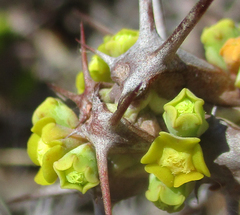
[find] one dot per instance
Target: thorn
(159, 18)
(95, 24)
(109, 60)
(101, 154)
(74, 97)
(146, 19)
(87, 77)
(123, 105)
(214, 110)
(174, 41)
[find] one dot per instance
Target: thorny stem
(175, 40)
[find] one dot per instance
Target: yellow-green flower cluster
(53, 123)
(175, 159)
(113, 46)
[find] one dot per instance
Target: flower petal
(37, 128)
(162, 173)
(198, 161)
(52, 155)
(39, 178)
(32, 148)
(154, 152)
(182, 178)
(52, 132)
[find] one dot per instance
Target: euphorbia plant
(121, 105)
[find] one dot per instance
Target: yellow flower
(175, 160)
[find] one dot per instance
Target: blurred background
(37, 46)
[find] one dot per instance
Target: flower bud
(231, 54)
(156, 103)
(165, 198)
(112, 46)
(57, 110)
(175, 160)
(78, 169)
(184, 115)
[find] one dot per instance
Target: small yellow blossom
(184, 115)
(78, 169)
(170, 199)
(175, 160)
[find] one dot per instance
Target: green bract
(167, 199)
(78, 169)
(112, 46)
(214, 37)
(175, 160)
(184, 115)
(52, 124)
